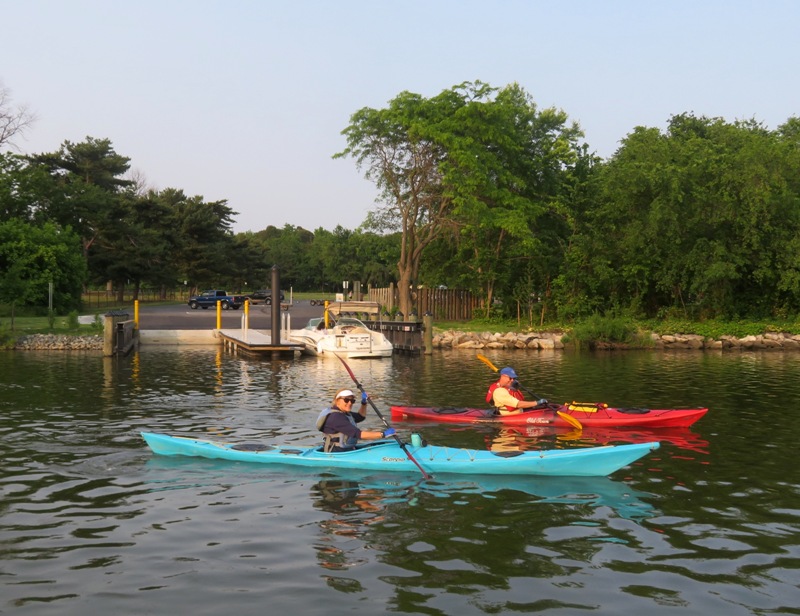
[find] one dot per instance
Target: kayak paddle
(565, 416)
(425, 475)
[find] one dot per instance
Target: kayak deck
(387, 455)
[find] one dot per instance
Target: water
(91, 521)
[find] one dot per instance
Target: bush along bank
(452, 339)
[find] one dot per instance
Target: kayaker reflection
(505, 395)
(515, 438)
(339, 422)
(353, 510)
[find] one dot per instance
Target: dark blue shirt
(338, 421)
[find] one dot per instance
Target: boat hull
(387, 455)
(597, 415)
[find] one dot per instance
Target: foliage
(474, 175)
(696, 226)
(31, 257)
(598, 328)
(703, 219)
(72, 319)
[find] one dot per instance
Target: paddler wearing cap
(338, 422)
(505, 396)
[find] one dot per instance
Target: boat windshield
(318, 323)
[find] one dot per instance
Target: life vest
(340, 439)
(516, 393)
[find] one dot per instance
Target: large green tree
(400, 150)
(89, 176)
(480, 165)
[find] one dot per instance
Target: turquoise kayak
(387, 455)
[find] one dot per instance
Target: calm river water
(92, 522)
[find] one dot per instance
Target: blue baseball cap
(509, 372)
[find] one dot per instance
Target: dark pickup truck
(263, 295)
(209, 299)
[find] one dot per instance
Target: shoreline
(455, 339)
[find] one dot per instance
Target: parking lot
(180, 316)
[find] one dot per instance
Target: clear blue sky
(245, 100)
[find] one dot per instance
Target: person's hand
(364, 397)
(542, 401)
(389, 432)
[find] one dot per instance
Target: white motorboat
(345, 336)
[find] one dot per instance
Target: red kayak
(589, 414)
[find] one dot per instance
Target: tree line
(480, 189)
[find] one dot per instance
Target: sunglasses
(349, 400)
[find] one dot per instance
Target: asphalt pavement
(180, 316)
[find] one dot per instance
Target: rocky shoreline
(453, 339)
(53, 342)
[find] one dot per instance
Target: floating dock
(256, 342)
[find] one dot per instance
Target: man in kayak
(505, 396)
(338, 422)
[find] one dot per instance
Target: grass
(41, 325)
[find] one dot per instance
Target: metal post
(275, 320)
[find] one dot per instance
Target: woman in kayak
(338, 422)
(507, 398)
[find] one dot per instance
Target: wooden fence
(443, 304)
(100, 300)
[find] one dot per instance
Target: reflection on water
(91, 520)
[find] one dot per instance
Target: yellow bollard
(219, 314)
(136, 314)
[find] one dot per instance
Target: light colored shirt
(503, 398)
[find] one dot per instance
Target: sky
(245, 100)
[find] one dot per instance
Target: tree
(507, 169)
(14, 121)
(402, 154)
(139, 247)
(474, 163)
(702, 219)
(89, 175)
(25, 189)
(31, 257)
(202, 237)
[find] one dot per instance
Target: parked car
(209, 299)
(263, 295)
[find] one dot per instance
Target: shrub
(604, 329)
